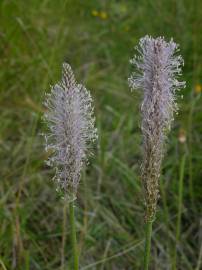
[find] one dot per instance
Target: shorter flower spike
(70, 122)
(157, 68)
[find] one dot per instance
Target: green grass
(36, 37)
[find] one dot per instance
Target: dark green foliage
(36, 37)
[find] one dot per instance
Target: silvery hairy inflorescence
(70, 120)
(157, 68)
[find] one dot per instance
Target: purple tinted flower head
(71, 129)
(157, 68)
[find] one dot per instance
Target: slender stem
(180, 198)
(73, 236)
(147, 244)
(165, 205)
(3, 265)
(179, 214)
(190, 142)
(64, 225)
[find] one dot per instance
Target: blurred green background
(97, 39)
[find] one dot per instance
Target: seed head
(157, 68)
(70, 122)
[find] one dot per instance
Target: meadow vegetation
(97, 39)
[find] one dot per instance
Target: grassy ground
(97, 38)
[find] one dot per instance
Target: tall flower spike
(157, 69)
(70, 121)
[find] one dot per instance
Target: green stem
(3, 265)
(73, 237)
(179, 214)
(190, 142)
(147, 244)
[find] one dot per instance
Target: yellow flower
(198, 88)
(182, 136)
(95, 13)
(103, 15)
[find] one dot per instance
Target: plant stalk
(73, 237)
(179, 214)
(147, 244)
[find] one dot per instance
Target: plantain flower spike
(70, 122)
(157, 68)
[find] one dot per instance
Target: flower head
(182, 136)
(71, 129)
(103, 15)
(198, 88)
(95, 13)
(157, 70)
